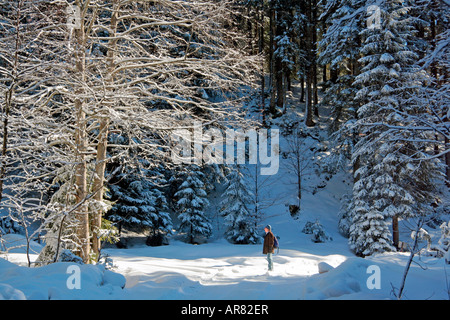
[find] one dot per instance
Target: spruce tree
(139, 204)
(390, 182)
(192, 203)
(241, 225)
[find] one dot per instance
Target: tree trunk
(279, 82)
(8, 98)
(302, 93)
(81, 184)
(309, 67)
(299, 179)
(260, 51)
(279, 70)
(395, 232)
(334, 75)
(272, 24)
(447, 162)
(81, 145)
(5, 115)
(100, 166)
(102, 144)
(314, 58)
(285, 87)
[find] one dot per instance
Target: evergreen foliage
(139, 204)
(390, 182)
(192, 203)
(241, 225)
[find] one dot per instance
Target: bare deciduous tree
(138, 68)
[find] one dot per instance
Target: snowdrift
(226, 272)
(51, 282)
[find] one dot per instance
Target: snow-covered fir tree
(241, 225)
(317, 232)
(389, 181)
(192, 202)
(368, 232)
(285, 53)
(139, 204)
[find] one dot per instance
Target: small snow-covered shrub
(345, 215)
(69, 256)
(317, 232)
(442, 248)
(444, 241)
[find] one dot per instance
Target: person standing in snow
(268, 245)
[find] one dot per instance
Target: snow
(220, 270)
(15, 243)
(50, 282)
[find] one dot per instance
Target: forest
(94, 92)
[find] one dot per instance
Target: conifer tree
(192, 203)
(390, 182)
(139, 204)
(241, 227)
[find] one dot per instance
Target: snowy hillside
(220, 270)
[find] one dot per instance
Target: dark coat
(268, 243)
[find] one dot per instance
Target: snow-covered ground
(219, 270)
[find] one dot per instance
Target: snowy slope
(220, 270)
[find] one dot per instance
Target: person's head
(267, 228)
